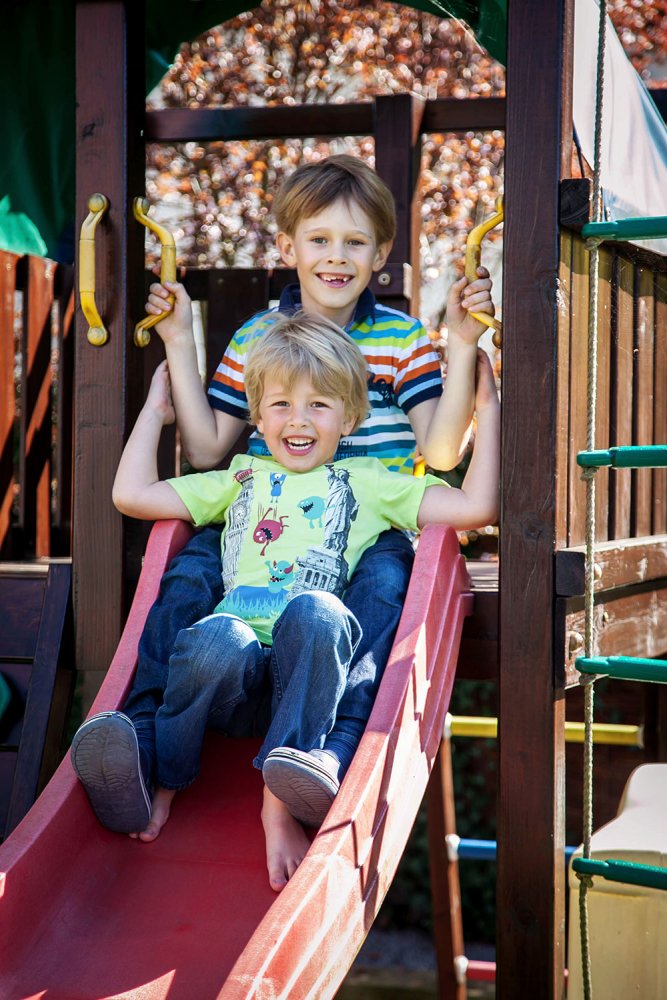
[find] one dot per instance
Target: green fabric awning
(38, 113)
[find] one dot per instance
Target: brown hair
(314, 186)
(304, 344)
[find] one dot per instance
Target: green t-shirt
(287, 532)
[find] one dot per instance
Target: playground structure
(544, 379)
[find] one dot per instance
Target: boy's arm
(476, 503)
(137, 489)
(442, 427)
(206, 434)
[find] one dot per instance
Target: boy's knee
(314, 605)
(211, 648)
(318, 612)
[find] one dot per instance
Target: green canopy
(38, 110)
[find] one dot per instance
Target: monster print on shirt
(269, 528)
(313, 508)
(277, 479)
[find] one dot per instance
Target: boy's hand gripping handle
(472, 262)
(167, 267)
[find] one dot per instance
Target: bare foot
(286, 841)
(160, 809)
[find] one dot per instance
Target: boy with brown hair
(336, 224)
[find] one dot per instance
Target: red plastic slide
(86, 914)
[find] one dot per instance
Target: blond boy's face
(301, 426)
(335, 254)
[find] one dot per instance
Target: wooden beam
(620, 408)
(530, 879)
(622, 563)
(577, 392)
(448, 114)
(643, 352)
(108, 391)
(61, 532)
(35, 419)
(224, 124)
(659, 522)
(398, 128)
(8, 276)
(631, 621)
(306, 120)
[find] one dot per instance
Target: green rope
(585, 881)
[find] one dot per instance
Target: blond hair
(314, 186)
(306, 345)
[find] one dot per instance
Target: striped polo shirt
(404, 370)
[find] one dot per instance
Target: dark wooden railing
(631, 505)
(631, 401)
(36, 324)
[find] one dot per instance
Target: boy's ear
(348, 426)
(285, 246)
(381, 255)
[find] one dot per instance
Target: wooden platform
(631, 607)
(36, 663)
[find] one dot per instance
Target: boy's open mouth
(298, 445)
(335, 280)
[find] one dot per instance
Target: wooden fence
(631, 408)
(631, 393)
(36, 371)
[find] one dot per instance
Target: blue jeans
(220, 676)
(192, 587)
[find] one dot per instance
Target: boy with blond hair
(336, 224)
(274, 656)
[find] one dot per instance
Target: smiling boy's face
(301, 426)
(335, 254)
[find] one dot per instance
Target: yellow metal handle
(97, 332)
(167, 267)
(473, 258)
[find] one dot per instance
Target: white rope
(585, 881)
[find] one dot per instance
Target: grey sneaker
(306, 782)
(105, 756)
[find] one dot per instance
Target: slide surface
(86, 914)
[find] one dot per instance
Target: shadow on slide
(86, 914)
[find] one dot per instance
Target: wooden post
(110, 159)
(445, 888)
(61, 531)
(35, 422)
(397, 159)
(530, 881)
(8, 278)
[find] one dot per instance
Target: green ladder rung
(623, 871)
(639, 456)
(627, 668)
(640, 228)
